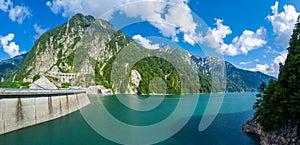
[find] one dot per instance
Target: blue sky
(251, 35)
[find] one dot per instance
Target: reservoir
(79, 128)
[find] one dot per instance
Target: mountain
(9, 66)
(87, 51)
(73, 47)
(237, 80)
(244, 80)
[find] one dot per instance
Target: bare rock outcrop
(286, 135)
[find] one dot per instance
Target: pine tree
(280, 101)
(261, 89)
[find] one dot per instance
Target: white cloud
(220, 32)
(248, 41)
(269, 69)
(170, 18)
(19, 14)
(181, 17)
(9, 47)
(4, 5)
(96, 8)
(151, 11)
(273, 68)
(245, 63)
(38, 30)
(262, 68)
(16, 13)
(145, 42)
(281, 58)
(283, 23)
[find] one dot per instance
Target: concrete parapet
(4, 93)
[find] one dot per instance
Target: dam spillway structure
(20, 108)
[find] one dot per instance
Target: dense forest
(152, 67)
(279, 102)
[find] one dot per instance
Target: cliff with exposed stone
(286, 135)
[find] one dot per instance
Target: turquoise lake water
(79, 128)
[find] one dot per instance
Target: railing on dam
(34, 92)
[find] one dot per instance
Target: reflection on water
(73, 129)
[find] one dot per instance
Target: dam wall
(19, 109)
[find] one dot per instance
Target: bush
(36, 77)
(65, 85)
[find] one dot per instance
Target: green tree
(261, 89)
(280, 101)
(36, 77)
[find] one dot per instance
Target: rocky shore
(286, 135)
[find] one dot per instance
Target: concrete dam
(21, 108)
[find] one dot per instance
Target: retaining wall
(17, 112)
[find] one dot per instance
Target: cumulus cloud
(9, 47)
(152, 12)
(215, 36)
(283, 23)
(170, 18)
(248, 41)
(4, 5)
(145, 42)
(273, 68)
(281, 58)
(269, 69)
(19, 14)
(182, 18)
(16, 13)
(96, 8)
(38, 30)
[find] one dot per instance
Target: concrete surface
(17, 112)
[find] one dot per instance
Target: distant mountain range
(10, 66)
(238, 79)
(89, 47)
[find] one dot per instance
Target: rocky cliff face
(55, 48)
(286, 135)
(134, 82)
(73, 47)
